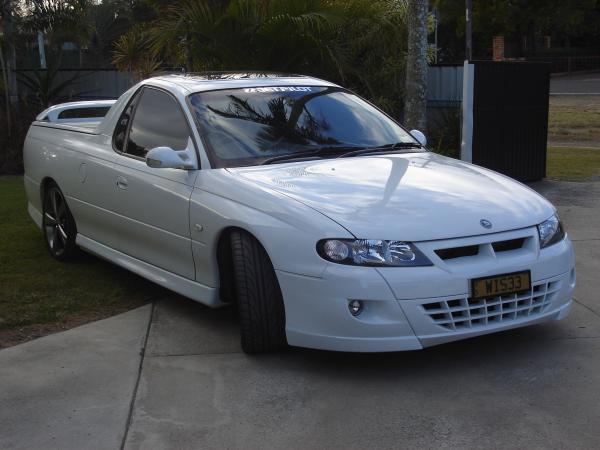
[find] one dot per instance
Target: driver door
(153, 203)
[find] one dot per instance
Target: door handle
(121, 182)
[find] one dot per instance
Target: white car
(321, 218)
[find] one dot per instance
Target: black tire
(258, 296)
(58, 225)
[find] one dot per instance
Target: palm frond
(361, 43)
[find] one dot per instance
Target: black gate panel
(510, 117)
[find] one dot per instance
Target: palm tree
(47, 85)
(356, 42)
(59, 21)
(108, 21)
(133, 54)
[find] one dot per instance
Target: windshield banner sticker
(279, 89)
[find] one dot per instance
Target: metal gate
(509, 117)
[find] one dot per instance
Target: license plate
(508, 283)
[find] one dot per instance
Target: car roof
(208, 81)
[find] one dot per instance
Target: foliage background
(572, 26)
(357, 43)
(361, 44)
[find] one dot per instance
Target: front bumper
(413, 308)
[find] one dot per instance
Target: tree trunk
(415, 102)
(6, 26)
(11, 55)
(6, 91)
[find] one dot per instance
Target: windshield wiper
(398, 146)
(342, 151)
(321, 151)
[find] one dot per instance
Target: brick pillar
(498, 48)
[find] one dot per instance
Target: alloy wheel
(56, 221)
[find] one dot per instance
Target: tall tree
(415, 102)
(5, 89)
(7, 13)
(7, 64)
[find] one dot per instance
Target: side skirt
(35, 215)
(203, 294)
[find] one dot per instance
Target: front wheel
(58, 225)
(259, 299)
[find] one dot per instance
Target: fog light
(355, 307)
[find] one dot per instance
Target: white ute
(321, 218)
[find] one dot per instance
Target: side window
(121, 127)
(158, 122)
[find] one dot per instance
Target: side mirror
(167, 158)
(419, 137)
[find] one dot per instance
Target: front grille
(457, 252)
(463, 313)
(506, 246)
(484, 249)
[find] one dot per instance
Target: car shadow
(184, 327)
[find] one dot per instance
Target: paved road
(576, 84)
(535, 387)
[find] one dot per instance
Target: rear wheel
(58, 225)
(258, 295)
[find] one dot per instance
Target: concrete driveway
(172, 375)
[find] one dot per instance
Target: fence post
(466, 141)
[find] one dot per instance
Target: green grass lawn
(573, 164)
(574, 119)
(574, 125)
(37, 290)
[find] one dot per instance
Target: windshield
(244, 127)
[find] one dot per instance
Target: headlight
(372, 252)
(551, 231)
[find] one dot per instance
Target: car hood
(412, 197)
